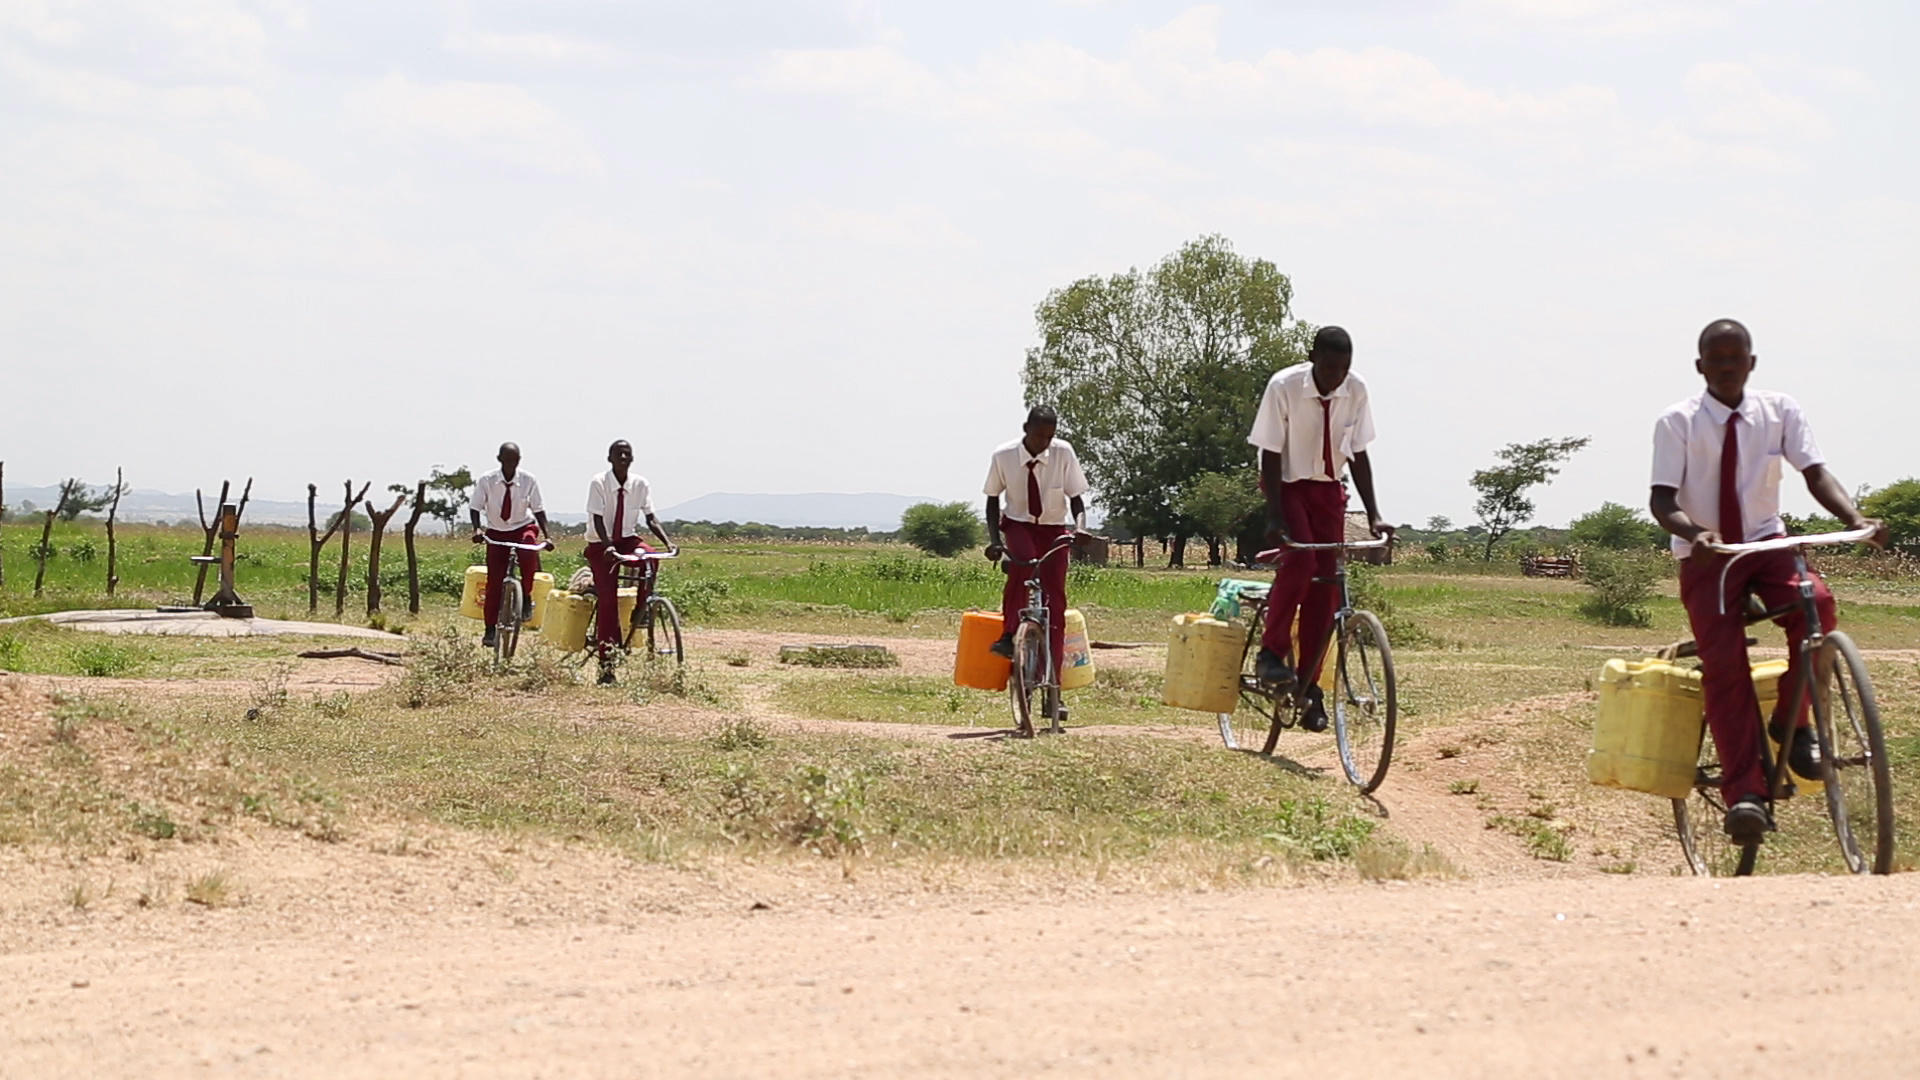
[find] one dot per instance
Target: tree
(76, 498)
(1219, 504)
(1616, 527)
(943, 529)
(1897, 504)
(1503, 501)
(1439, 523)
(448, 494)
(1157, 374)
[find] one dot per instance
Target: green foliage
(1897, 504)
(103, 659)
(440, 579)
(77, 498)
(83, 551)
(1616, 527)
(12, 650)
(1503, 501)
(943, 529)
(38, 550)
(1622, 583)
(1218, 503)
(1367, 593)
(442, 668)
(1439, 523)
(1157, 374)
(700, 597)
(448, 495)
(1319, 831)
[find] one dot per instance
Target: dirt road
(1588, 977)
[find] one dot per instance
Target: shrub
(700, 597)
(943, 529)
(1616, 527)
(84, 551)
(1364, 588)
(441, 580)
(1622, 583)
(102, 660)
(1898, 504)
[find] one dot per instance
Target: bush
(1897, 504)
(1367, 594)
(440, 580)
(84, 551)
(1622, 583)
(1615, 527)
(943, 529)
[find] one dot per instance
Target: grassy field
(1495, 672)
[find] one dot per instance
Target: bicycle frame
(1339, 579)
(1036, 609)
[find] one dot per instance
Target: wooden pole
(346, 542)
(46, 546)
(413, 559)
(113, 563)
(316, 540)
(379, 519)
(211, 529)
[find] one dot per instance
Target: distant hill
(878, 511)
(145, 504)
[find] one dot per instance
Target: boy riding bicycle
(1314, 421)
(615, 500)
(1716, 480)
(509, 497)
(1045, 492)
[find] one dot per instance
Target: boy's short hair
(1043, 414)
(1332, 339)
(1720, 328)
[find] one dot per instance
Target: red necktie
(506, 506)
(1033, 492)
(1326, 436)
(619, 510)
(1732, 531)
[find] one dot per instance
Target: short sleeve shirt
(1687, 443)
(1057, 468)
(1291, 420)
(490, 494)
(603, 497)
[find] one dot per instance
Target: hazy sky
(795, 245)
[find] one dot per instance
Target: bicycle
(1034, 670)
(659, 617)
(506, 632)
(1365, 703)
(1853, 753)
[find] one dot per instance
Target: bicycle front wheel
(1028, 673)
(663, 630)
(1853, 749)
(1365, 705)
(506, 637)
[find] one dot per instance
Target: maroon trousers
(1726, 680)
(606, 592)
(1316, 513)
(1025, 540)
(497, 568)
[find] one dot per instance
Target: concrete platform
(197, 624)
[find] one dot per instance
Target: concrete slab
(198, 624)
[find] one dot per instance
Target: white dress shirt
(1058, 472)
(603, 497)
(1686, 457)
(490, 491)
(1290, 422)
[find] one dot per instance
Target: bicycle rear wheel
(1853, 749)
(1255, 725)
(1029, 671)
(1365, 705)
(663, 630)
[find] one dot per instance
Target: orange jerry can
(973, 665)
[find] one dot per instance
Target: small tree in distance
(1220, 502)
(1897, 504)
(1503, 501)
(943, 529)
(1615, 527)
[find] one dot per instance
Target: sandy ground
(403, 953)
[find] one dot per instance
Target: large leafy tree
(1157, 373)
(1897, 504)
(1620, 528)
(1503, 501)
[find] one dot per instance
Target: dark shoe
(1747, 821)
(1271, 670)
(1003, 647)
(1314, 718)
(487, 639)
(1803, 754)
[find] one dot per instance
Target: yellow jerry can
(1076, 667)
(1648, 735)
(570, 617)
(1766, 687)
(1203, 664)
(473, 594)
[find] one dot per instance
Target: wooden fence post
(413, 559)
(46, 548)
(316, 541)
(113, 553)
(200, 580)
(379, 519)
(346, 537)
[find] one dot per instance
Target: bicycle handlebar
(642, 556)
(515, 544)
(1060, 545)
(1782, 543)
(1343, 545)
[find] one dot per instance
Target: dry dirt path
(1593, 977)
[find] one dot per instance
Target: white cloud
(542, 48)
(90, 92)
(920, 227)
(1611, 18)
(1730, 99)
(494, 120)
